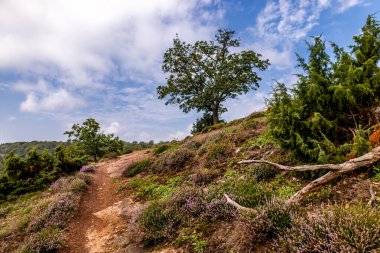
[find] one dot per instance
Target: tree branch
(373, 195)
(336, 170)
(296, 168)
(239, 207)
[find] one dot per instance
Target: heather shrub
(173, 160)
(263, 172)
(218, 152)
(87, 168)
(158, 222)
(247, 192)
(189, 201)
(45, 241)
(337, 229)
(161, 149)
(77, 185)
(86, 178)
(217, 209)
(138, 167)
(269, 220)
(205, 176)
(193, 145)
(54, 214)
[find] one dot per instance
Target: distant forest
(23, 148)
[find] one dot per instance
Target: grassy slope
(34, 222)
(184, 181)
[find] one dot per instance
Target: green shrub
(138, 167)
(111, 155)
(268, 221)
(337, 229)
(173, 160)
(205, 176)
(247, 192)
(158, 222)
(263, 172)
(161, 149)
(45, 241)
(218, 152)
(196, 240)
(260, 142)
(213, 127)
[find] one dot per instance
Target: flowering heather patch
(61, 184)
(217, 209)
(46, 240)
(337, 229)
(87, 168)
(55, 214)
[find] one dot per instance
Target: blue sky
(63, 61)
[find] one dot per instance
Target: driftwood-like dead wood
(336, 170)
(237, 206)
(373, 195)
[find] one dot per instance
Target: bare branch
(239, 207)
(336, 170)
(373, 195)
(296, 168)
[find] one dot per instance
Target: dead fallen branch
(296, 168)
(373, 195)
(335, 171)
(236, 205)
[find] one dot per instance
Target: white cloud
(347, 4)
(81, 42)
(113, 128)
(58, 101)
(283, 23)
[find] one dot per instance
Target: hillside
(172, 199)
(22, 148)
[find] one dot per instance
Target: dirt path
(104, 214)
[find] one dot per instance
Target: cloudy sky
(62, 61)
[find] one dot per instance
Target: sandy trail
(102, 222)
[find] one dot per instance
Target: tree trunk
(215, 115)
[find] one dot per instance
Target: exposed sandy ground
(105, 215)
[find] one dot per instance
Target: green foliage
(138, 167)
(201, 123)
(23, 148)
(330, 100)
(258, 142)
(158, 222)
(203, 75)
(89, 138)
(247, 192)
(149, 188)
(46, 241)
(129, 147)
(173, 160)
(197, 241)
(161, 149)
(218, 152)
(36, 171)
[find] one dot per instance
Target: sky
(63, 61)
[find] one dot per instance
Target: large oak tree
(204, 74)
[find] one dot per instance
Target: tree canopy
(92, 141)
(331, 110)
(204, 74)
